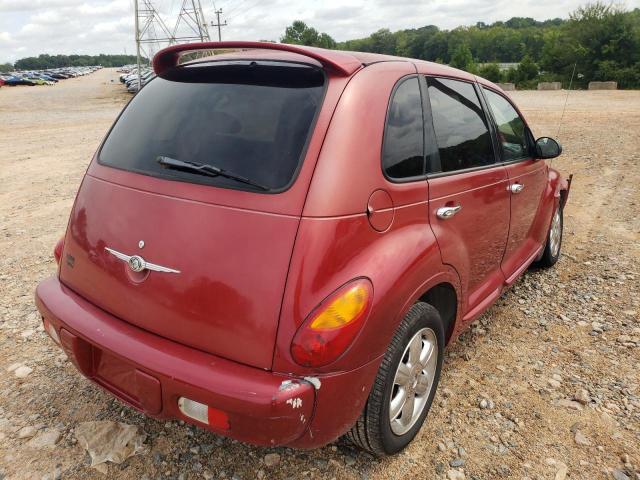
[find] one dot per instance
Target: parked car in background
(13, 80)
(277, 244)
(35, 78)
(45, 77)
(132, 84)
(129, 77)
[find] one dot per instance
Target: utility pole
(218, 24)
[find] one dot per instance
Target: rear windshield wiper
(206, 169)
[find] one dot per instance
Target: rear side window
(250, 118)
(403, 150)
(512, 131)
(460, 125)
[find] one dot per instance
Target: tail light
(57, 251)
(332, 326)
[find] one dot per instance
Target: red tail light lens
(332, 326)
(57, 251)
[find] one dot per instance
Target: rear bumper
(151, 373)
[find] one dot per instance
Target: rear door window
(250, 118)
(460, 125)
(403, 150)
(512, 131)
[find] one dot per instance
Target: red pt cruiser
(278, 243)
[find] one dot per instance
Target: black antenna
(566, 100)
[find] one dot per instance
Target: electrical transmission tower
(147, 19)
(152, 31)
(192, 18)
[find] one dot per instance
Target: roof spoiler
(340, 63)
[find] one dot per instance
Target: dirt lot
(556, 360)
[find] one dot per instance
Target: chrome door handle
(516, 187)
(448, 212)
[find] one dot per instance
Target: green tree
(45, 61)
(383, 41)
(462, 58)
(436, 46)
(299, 33)
(6, 67)
(601, 39)
(491, 72)
(326, 41)
(527, 70)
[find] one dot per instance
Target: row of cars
(44, 77)
(129, 76)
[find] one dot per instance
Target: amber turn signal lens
(343, 309)
(333, 325)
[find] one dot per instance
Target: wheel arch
(444, 298)
(443, 291)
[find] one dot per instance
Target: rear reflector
(51, 330)
(203, 413)
(57, 251)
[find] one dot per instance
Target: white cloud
(121, 25)
(5, 37)
(114, 8)
(23, 5)
(47, 17)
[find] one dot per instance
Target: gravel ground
(544, 386)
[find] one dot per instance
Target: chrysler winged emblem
(137, 263)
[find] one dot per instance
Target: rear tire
(551, 253)
(404, 373)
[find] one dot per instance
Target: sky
(32, 27)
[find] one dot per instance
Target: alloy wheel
(413, 381)
(555, 234)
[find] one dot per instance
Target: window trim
(529, 134)
(397, 85)
(431, 142)
(240, 186)
(490, 127)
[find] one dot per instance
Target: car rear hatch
(215, 269)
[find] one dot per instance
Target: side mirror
(547, 147)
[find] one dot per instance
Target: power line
(236, 7)
(245, 10)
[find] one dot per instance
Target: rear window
(249, 118)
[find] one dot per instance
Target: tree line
(45, 61)
(602, 42)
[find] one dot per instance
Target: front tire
(551, 253)
(406, 383)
